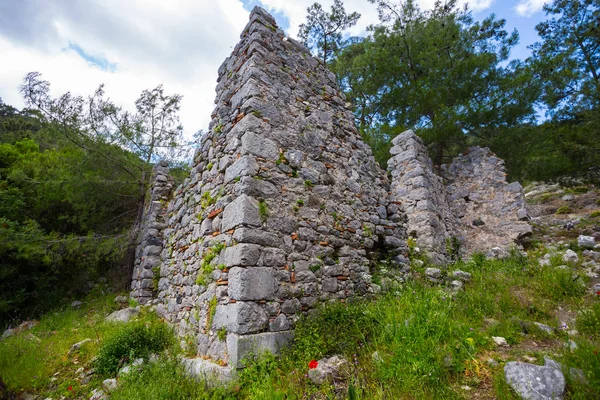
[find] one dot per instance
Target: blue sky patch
(97, 61)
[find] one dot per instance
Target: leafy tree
(568, 57)
(437, 71)
(322, 31)
(153, 132)
(62, 214)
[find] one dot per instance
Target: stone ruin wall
(283, 207)
(150, 240)
(422, 193)
(471, 200)
(491, 212)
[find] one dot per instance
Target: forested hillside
(73, 178)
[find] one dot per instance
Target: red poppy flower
(313, 364)
(70, 388)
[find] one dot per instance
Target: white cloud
(526, 8)
(180, 43)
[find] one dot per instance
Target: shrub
(133, 340)
(563, 210)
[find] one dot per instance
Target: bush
(563, 210)
(133, 340)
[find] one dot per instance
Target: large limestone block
(240, 317)
(259, 146)
(535, 382)
(242, 254)
(256, 283)
(240, 347)
(241, 211)
(244, 166)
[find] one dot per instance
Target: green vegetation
(563, 210)
(315, 268)
(263, 210)
(205, 265)
(429, 342)
(133, 340)
(165, 379)
(212, 308)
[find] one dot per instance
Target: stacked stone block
(491, 212)
(422, 193)
(470, 202)
(150, 239)
(283, 207)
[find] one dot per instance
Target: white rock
(123, 315)
(98, 394)
(78, 345)
(587, 242)
(121, 299)
(329, 370)
(536, 382)
(500, 341)
(110, 385)
(570, 256)
(76, 304)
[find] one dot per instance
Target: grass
(429, 341)
(27, 364)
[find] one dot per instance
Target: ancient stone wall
(283, 207)
(421, 191)
(150, 239)
(471, 203)
(491, 211)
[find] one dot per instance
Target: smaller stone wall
(422, 194)
(471, 202)
(491, 211)
(150, 239)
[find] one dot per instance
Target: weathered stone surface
(242, 254)
(330, 370)
(240, 317)
(587, 242)
(241, 211)
(256, 283)
(110, 385)
(535, 382)
(79, 345)
(570, 256)
(259, 146)
(244, 166)
(240, 346)
(150, 239)
(476, 208)
(124, 315)
(209, 372)
(281, 186)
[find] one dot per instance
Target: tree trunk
(439, 156)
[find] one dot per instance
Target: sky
(132, 45)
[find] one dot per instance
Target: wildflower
(70, 388)
(313, 364)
